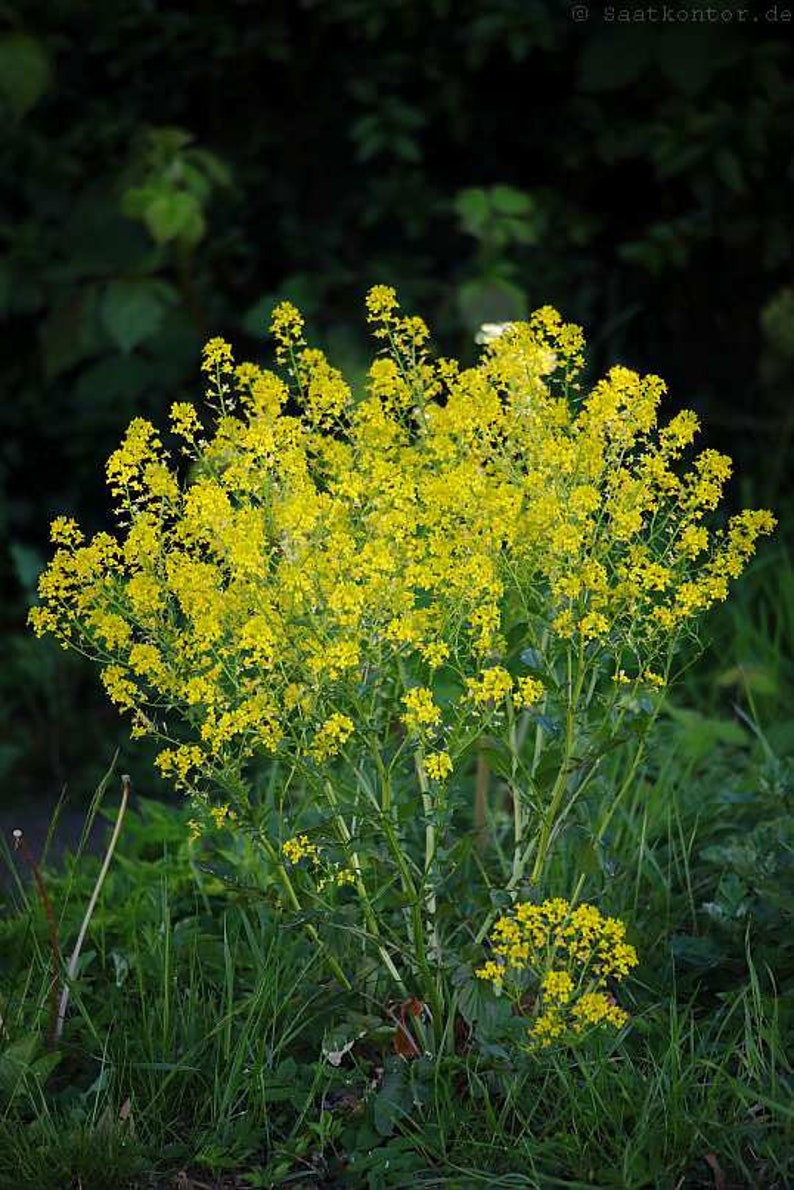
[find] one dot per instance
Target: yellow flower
(217, 357)
(300, 847)
(557, 986)
(381, 303)
(286, 327)
(332, 735)
(421, 711)
(438, 765)
(185, 421)
(65, 531)
(491, 685)
(222, 815)
(492, 972)
(548, 1027)
(529, 691)
(571, 952)
(323, 544)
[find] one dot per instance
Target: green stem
(518, 810)
(419, 946)
(294, 901)
(557, 794)
(361, 888)
(615, 803)
(561, 783)
(430, 854)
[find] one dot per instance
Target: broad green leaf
(696, 952)
(132, 311)
(174, 215)
(137, 199)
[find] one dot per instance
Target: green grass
(201, 1024)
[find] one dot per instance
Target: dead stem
(126, 789)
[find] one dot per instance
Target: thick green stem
(561, 783)
(518, 810)
(430, 855)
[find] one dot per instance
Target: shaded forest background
(168, 172)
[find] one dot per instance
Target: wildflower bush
(344, 614)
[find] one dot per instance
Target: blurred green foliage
(169, 171)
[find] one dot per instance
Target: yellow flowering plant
(556, 962)
(336, 600)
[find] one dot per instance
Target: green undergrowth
(207, 1044)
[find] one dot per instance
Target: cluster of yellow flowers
(324, 547)
(327, 873)
(571, 953)
(301, 847)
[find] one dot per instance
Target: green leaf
(699, 735)
(480, 1007)
(690, 58)
(393, 1099)
(24, 71)
(28, 565)
(508, 201)
(174, 215)
(698, 953)
(730, 171)
(473, 209)
(133, 311)
(16, 1062)
(756, 678)
(136, 200)
(216, 170)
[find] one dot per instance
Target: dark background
(168, 171)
